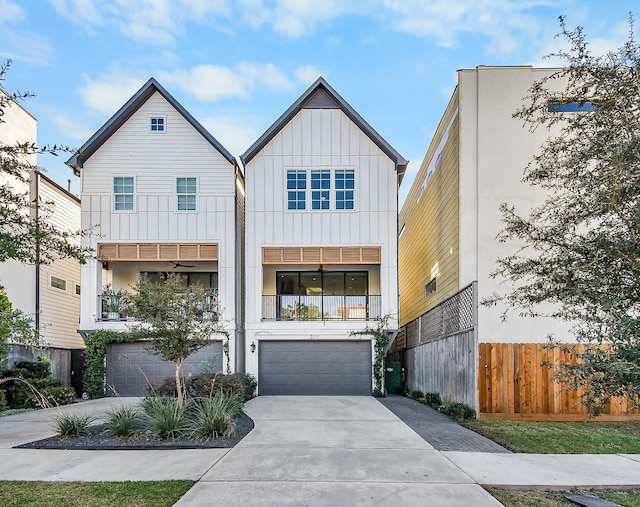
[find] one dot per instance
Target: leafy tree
(178, 320)
(14, 326)
(581, 248)
(25, 233)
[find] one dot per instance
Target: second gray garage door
(314, 368)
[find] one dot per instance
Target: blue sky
(236, 65)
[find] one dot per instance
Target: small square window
(77, 290)
(157, 124)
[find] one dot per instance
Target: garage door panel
(315, 368)
(129, 365)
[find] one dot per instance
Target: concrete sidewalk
(311, 451)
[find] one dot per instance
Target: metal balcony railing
(303, 307)
(114, 307)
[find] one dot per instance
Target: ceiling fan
(179, 265)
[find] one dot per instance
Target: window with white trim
(345, 189)
(320, 188)
(157, 124)
(123, 189)
(186, 188)
(58, 283)
(296, 189)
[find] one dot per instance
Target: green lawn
(94, 494)
(539, 498)
(562, 437)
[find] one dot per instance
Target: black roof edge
(351, 113)
(77, 160)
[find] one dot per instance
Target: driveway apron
(332, 450)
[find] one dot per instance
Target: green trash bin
(393, 377)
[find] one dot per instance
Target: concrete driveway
(332, 451)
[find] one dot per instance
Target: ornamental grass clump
(167, 417)
(73, 425)
(212, 417)
(125, 421)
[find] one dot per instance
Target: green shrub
(166, 418)
(3, 401)
(124, 421)
(40, 368)
(56, 395)
(416, 395)
(212, 417)
(458, 411)
(231, 383)
(73, 425)
(433, 400)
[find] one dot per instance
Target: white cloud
(308, 74)
(107, 95)
(27, 47)
(68, 126)
(295, 18)
(235, 132)
(447, 20)
(10, 12)
(156, 22)
(213, 82)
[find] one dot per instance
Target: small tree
(582, 244)
(178, 320)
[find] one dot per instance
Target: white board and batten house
(321, 247)
(162, 196)
(47, 293)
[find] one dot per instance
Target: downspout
(37, 245)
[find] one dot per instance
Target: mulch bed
(101, 439)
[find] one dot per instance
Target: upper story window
(123, 193)
(571, 107)
(320, 186)
(345, 188)
(58, 283)
(157, 124)
(296, 189)
(186, 188)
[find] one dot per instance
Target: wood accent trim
(322, 255)
(158, 251)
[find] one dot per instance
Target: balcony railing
(115, 307)
(303, 307)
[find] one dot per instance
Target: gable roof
(76, 162)
(321, 95)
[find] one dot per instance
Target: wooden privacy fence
(514, 382)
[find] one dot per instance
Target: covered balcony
(123, 263)
(343, 285)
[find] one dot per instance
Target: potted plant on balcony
(113, 301)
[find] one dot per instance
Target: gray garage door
(315, 367)
(131, 367)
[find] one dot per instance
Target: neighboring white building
(321, 247)
(162, 195)
(48, 293)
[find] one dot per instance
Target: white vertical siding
(318, 139)
(155, 160)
